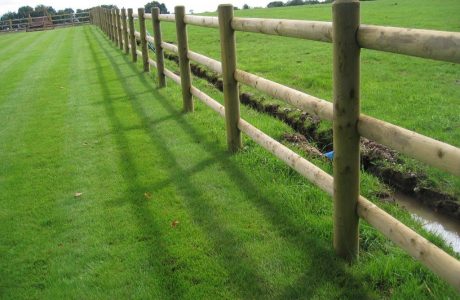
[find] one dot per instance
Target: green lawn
(165, 211)
(418, 94)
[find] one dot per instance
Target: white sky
(196, 5)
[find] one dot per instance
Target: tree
(24, 11)
(245, 6)
(68, 11)
(111, 6)
(148, 7)
(41, 10)
(275, 4)
(294, 2)
(9, 15)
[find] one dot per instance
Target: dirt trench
(376, 159)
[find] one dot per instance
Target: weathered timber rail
(348, 36)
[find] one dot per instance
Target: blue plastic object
(329, 155)
(150, 44)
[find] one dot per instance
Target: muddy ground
(376, 158)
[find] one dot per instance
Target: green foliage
(109, 6)
(25, 11)
(163, 10)
(9, 16)
(275, 4)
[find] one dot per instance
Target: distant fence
(348, 36)
(44, 22)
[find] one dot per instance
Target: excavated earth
(375, 158)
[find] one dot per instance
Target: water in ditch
(446, 227)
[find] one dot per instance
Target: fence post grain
(158, 49)
(114, 26)
(104, 14)
(109, 17)
(346, 53)
(231, 94)
(144, 48)
(120, 37)
(106, 22)
(109, 22)
(184, 63)
(125, 30)
(132, 38)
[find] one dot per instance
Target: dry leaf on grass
(148, 195)
(78, 194)
(174, 223)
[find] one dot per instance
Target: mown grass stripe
(12, 44)
(12, 55)
(23, 104)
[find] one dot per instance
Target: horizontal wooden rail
(303, 101)
(212, 64)
(211, 22)
(213, 104)
(152, 63)
(438, 45)
(167, 18)
(311, 30)
(150, 39)
(148, 16)
(172, 76)
(437, 260)
(417, 246)
(169, 47)
(430, 151)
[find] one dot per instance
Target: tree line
(44, 10)
(295, 3)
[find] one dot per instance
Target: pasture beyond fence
(44, 22)
(348, 36)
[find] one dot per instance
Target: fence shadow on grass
(327, 269)
(145, 220)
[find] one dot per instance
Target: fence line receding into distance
(348, 36)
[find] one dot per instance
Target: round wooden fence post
(104, 20)
(124, 24)
(184, 63)
(132, 38)
(109, 23)
(106, 26)
(114, 26)
(231, 94)
(346, 56)
(120, 36)
(144, 48)
(158, 49)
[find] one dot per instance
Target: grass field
(164, 211)
(417, 94)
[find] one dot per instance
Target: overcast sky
(196, 5)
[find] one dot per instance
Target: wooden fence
(348, 36)
(44, 22)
